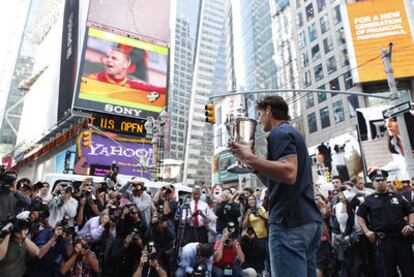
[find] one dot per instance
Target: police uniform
(384, 215)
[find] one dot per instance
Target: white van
(181, 191)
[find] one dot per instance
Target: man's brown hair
(278, 105)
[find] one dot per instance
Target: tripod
(185, 210)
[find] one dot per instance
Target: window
(309, 100)
(337, 15)
(334, 85)
(305, 59)
(324, 113)
(338, 111)
(340, 36)
(307, 79)
(312, 123)
(327, 44)
(318, 70)
(344, 57)
(309, 12)
(299, 19)
(302, 39)
(322, 96)
(324, 24)
(313, 34)
(316, 53)
(321, 4)
(348, 80)
(331, 65)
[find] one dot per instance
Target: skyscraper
(209, 76)
(324, 64)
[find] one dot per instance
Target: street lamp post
(154, 130)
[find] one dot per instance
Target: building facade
(209, 77)
(324, 64)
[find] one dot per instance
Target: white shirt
(93, 230)
(202, 220)
(57, 213)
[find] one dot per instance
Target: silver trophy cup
(241, 130)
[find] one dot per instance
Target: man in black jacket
(11, 200)
(226, 211)
(254, 251)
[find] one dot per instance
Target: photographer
(54, 245)
(125, 254)
(165, 197)
(228, 254)
(149, 267)
(139, 197)
(197, 216)
(192, 255)
(11, 200)
(226, 211)
(15, 247)
(63, 204)
(44, 193)
(37, 218)
(95, 227)
(162, 233)
(254, 251)
(82, 261)
(88, 204)
(130, 219)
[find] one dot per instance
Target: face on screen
(116, 63)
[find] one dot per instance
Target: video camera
(6, 179)
(18, 225)
(151, 251)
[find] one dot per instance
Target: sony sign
(122, 110)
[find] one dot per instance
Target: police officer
(381, 217)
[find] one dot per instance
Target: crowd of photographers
(111, 229)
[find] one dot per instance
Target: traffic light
(210, 113)
(87, 138)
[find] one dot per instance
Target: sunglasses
(379, 180)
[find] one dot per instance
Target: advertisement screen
(381, 141)
(132, 156)
(123, 76)
(373, 25)
(340, 156)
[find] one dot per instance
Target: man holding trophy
(294, 220)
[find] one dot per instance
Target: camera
(85, 246)
(167, 190)
(231, 228)
(200, 270)
(6, 180)
(135, 235)
(64, 224)
(254, 210)
(18, 225)
(250, 231)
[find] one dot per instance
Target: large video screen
(122, 75)
(370, 27)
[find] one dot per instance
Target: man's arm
(239, 252)
(283, 170)
(92, 261)
(370, 235)
(3, 247)
(32, 248)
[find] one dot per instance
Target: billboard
(118, 124)
(339, 156)
(372, 25)
(149, 20)
(68, 57)
(121, 75)
(381, 141)
(133, 156)
(221, 162)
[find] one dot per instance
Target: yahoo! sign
(131, 155)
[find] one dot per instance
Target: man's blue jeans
(293, 250)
